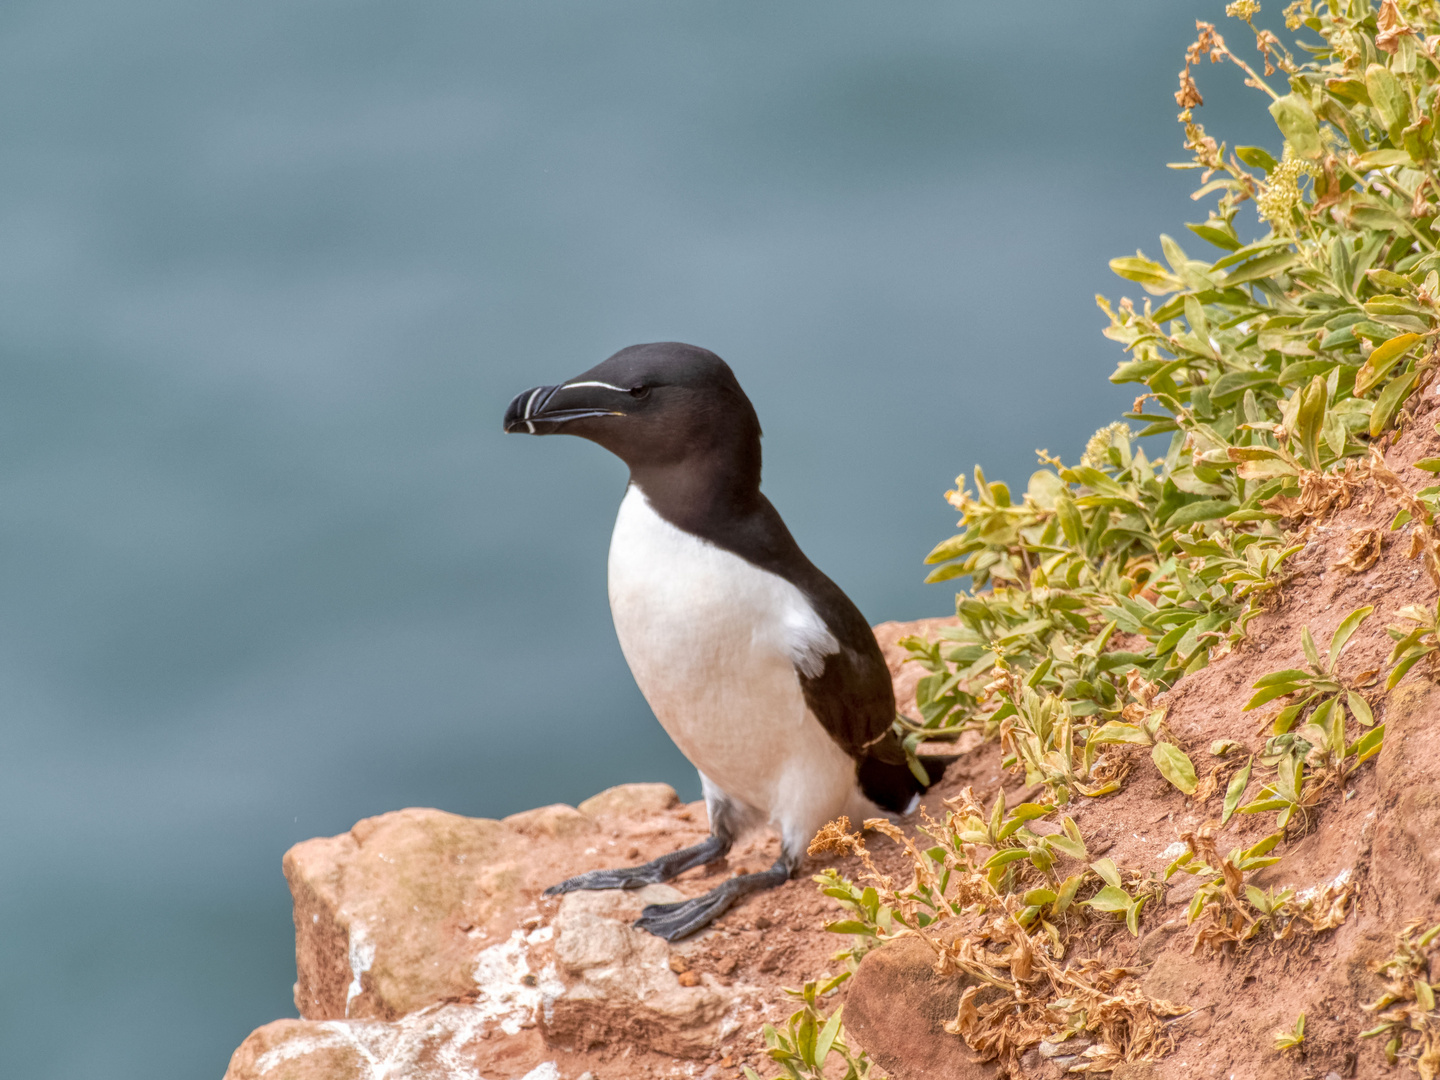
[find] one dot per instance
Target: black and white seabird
(764, 673)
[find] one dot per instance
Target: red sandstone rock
(630, 800)
(897, 1009)
(382, 912)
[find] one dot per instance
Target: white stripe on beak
(529, 403)
(606, 385)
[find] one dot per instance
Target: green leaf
(1204, 510)
(1401, 668)
(1379, 362)
(1310, 419)
(1175, 766)
(870, 902)
(1263, 846)
(1066, 846)
(1218, 232)
(849, 926)
(1383, 159)
(1268, 694)
(1132, 917)
(1236, 791)
(1278, 678)
(1312, 654)
(1343, 632)
(1155, 278)
(1263, 267)
(1071, 522)
(1296, 121)
(1389, 98)
(1368, 744)
(1004, 856)
(1256, 158)
(1110, 898)
(827, 1036)
(1029, 811)
(1389, 402)
(1108, 871)
(1067, 893)
(1360, 709)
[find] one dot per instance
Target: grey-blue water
(269, 273)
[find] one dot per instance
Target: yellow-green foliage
(1278, 367)
(1275, 367)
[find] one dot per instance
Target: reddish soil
(1379, 829)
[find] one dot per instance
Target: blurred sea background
(271, 272)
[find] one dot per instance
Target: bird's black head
(656, 407)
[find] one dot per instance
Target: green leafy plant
(1414, 642)
(1291, 1038)
(809, 1039)
(869, 920)
(1319, 686)
(1407, 1010)
(1272, 368)
(1114, 898)
(1231, 914)
(1009, 915)
(1322, 700)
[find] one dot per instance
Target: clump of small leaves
(1322, 698)
(809, 1039)
(1291, 1038)
(1406, 1010)
(1419, 640)
(1276, 368)
(1011, 903)
(1232, 915)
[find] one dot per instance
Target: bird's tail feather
(886, 779)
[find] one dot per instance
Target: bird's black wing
(853, 698)
(851, 695)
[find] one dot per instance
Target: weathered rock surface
(897, 1009)
(1408, 813)
(444, 1042)
(383, 912)
(630, 800)
(620, 987)
(423, 953)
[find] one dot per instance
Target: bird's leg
(675, 921)
(652, 873)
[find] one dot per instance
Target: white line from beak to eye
(529, 402)
(606, 385)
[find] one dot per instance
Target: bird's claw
(675, 921)
(629, 877)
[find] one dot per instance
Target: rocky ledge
(425, 950)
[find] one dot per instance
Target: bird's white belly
(714, 643)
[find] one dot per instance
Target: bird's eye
(640, 392)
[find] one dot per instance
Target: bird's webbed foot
(652, 873)
(675, 921)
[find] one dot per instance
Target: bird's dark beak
(545, 410)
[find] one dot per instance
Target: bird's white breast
(714, 643)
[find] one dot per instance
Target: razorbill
(763, 672)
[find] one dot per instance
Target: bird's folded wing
(853, 700)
